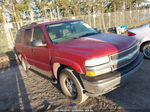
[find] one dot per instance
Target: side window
(27, 36)
(18, 36)
(38, 34)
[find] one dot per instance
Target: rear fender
(21, 54)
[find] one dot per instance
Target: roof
(50, 22)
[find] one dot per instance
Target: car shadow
(134, 94)
(47, 78)
(13, 93)
(44, 106)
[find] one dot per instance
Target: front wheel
(71, 86)
(146, 50)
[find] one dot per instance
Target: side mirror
(99, 31)
(37, 43)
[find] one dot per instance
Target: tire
(146, 50)
(24, 64)
(67, 77)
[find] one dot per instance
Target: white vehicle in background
(143, 35)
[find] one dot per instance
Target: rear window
(38, 34)
(18, 36)
(27, 36)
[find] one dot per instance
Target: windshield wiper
(88, 34)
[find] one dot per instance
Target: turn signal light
(90, 73)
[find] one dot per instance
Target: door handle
(32, 50)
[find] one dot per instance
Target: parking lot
(33, 92)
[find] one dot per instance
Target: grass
(138, 24)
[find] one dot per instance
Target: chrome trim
(133, 48)
(45, 73)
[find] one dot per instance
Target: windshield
(60, 32)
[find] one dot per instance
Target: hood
(97, 45)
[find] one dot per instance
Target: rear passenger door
(27, 45)
(41, 57)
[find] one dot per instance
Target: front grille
(123, 53)
(125, 57)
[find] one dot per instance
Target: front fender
(57, 61)
(145, 39)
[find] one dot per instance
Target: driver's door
(41, 54)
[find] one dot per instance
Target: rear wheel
(71, 86)
(24, 64)
(146, 50)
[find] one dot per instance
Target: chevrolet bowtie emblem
(129, 56)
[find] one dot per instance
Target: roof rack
(33, 23)
(41, 21)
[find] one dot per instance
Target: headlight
(97, 61)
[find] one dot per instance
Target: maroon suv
(83, 61)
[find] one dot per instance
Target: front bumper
(95, 86)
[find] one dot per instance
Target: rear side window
(27, 36)
(18, 36)
(38, 34)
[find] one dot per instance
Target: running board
(45, 74)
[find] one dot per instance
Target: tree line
(17, 10)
